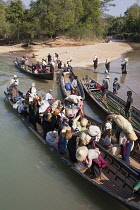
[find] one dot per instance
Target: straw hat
(107, 77)
(81, 153)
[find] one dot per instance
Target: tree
(4, 26)
(15, 16)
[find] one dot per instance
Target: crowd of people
(64, 126)
(47, 65)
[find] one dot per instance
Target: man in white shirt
(48, 95)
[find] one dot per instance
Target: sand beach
(82, 54)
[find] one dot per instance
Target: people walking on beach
(123, 65)
(116, 86)
(95, 62)
(14, 87)
(105, 86)
(107, 64)
(128, 106)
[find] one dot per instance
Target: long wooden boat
(117, 178)
(114, 105)
(67, 77)
(47, 76)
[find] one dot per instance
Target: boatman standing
(128, 106)
(13, 85)
(105, 86)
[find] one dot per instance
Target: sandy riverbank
(82, 56)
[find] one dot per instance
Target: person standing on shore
(107, 65)
(128, 106)
(105, 86)
(95, 62)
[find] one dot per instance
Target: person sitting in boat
(33, 67)
(128, 106)
(74, 86)
(116, 86)
(93, 160)
(52, 67)
(55, 120)
(14, 87)
(92, 84)
(22, 109)
(105, 86)
(48, 96)
(126, 147)
(38, 67)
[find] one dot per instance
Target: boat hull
(47, 76)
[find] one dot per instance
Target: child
(116, 86)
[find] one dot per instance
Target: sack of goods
(84, 138)
(84, 122)
(55, 105)
(115, 150)
(123, 123)
(73, 99)
(95, 131)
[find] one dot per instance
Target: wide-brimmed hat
(81, 153)
(15, 76)
(107, 76)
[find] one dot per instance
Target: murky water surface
(31, 176)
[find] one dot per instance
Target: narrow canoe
(67, 77)
(47, 76)
(114, 105)
(117, 178)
